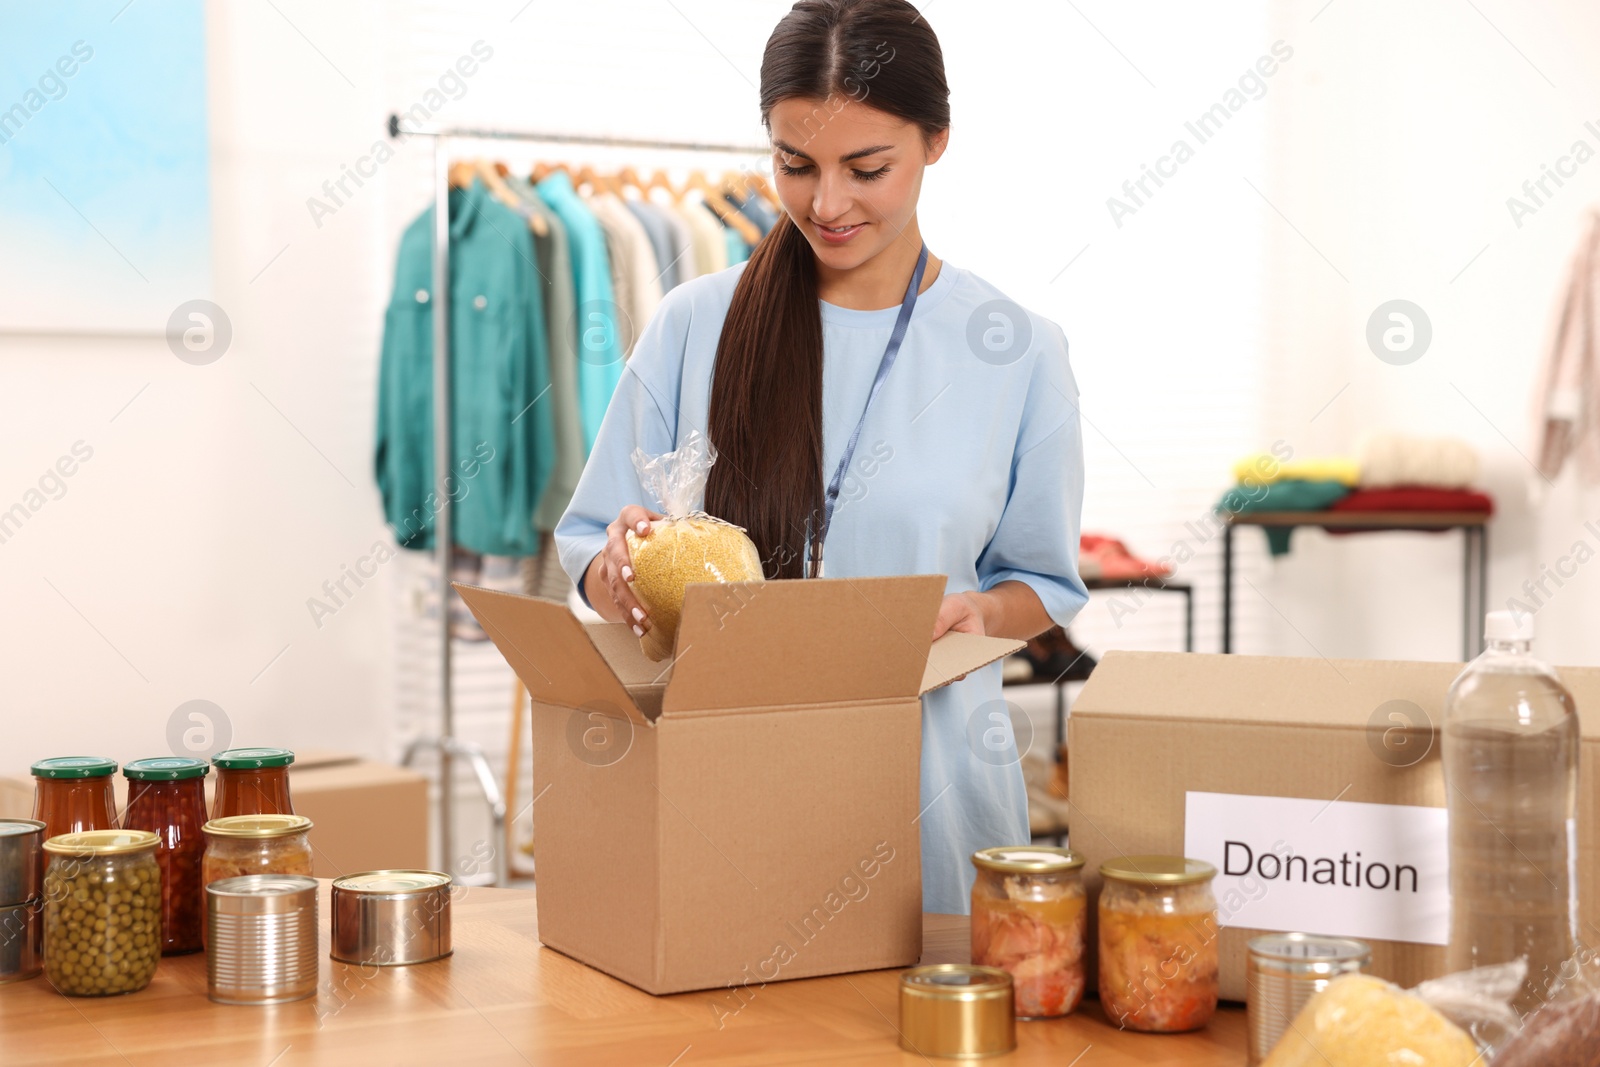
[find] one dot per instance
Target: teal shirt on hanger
(502, 423)
(599, 344)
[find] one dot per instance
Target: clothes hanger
(461, 173)
(490, 174)
(659, 180)
(765, 191)
(724, 210)
(626, 178)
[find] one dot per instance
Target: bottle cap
(1508, 626)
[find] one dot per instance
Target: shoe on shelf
(1109, 559)
(1053, 658)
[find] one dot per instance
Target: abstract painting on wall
(105, 206)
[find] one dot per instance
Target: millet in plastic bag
(1362, 1021)
(686, 546)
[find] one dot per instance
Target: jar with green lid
(1029, 919)
(73, 793)
(102, 912)
(256, 844)
(167, 797)
(1158, 943)
(252, 781)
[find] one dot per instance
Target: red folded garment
(1416, 498)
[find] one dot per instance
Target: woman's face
(848, 174)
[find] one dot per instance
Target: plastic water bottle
(1511, 770)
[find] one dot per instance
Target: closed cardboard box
(367, 816)
(1158, 740)
(747, 812)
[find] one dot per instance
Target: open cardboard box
(746, 812)
(1151, 727)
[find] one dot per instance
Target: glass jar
(73, 793)
(102, 912)
(256, 844)
(252, 781)
(1029, 918)
(1158, 943)
(167, 797)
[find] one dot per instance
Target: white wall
(1401, 132)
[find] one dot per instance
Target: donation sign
(1340, 868)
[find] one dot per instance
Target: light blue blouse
(970, 465)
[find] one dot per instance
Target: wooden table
(505, 999)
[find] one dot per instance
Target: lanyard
(890, 350)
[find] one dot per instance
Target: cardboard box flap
(802, 641)
(955, 654)
(551, 651)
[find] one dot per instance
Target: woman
(969, 460)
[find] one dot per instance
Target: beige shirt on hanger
(710, 247)
(634, 272)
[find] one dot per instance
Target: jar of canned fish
(102, 917)
(1029, 918)
(1158, 943)
(256, 844)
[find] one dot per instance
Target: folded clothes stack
(1389, 473)
(1102, 557)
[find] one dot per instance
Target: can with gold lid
(391, 918)
(957, 1011)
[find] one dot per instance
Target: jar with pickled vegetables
(252, 781)
(1158, 943)
(102, 912)
(73, 793)
(167, 797)
(256, 844)
(1029, 918)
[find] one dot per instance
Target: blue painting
(105, 206)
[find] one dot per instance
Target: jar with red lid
(73, 793)
(252, 781)
(167, 797)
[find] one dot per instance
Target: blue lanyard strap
(891, 350)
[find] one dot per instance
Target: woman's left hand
(961, 612)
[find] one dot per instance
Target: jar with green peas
(102, 913)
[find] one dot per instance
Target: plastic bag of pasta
(1362, 1021)
(686, 546)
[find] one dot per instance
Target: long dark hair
(766, 392)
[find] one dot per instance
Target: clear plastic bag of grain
(688, 545)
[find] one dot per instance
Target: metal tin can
(391, 918)
(261, 938)
(957, 1011)
(21, 860)
(21, 941)
(1286, 970)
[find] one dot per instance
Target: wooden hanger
(659, 180)
(489, 174)
(461, 174)
(725, 211)
(628, 177)
(543, 170)
(764, 191)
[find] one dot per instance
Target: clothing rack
(445, 743)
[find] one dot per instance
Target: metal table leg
(1188, 619)
(1227, 587)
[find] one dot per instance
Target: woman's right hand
(616, 566)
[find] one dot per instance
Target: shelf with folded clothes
(1395, 483)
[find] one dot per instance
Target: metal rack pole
(445, 744)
